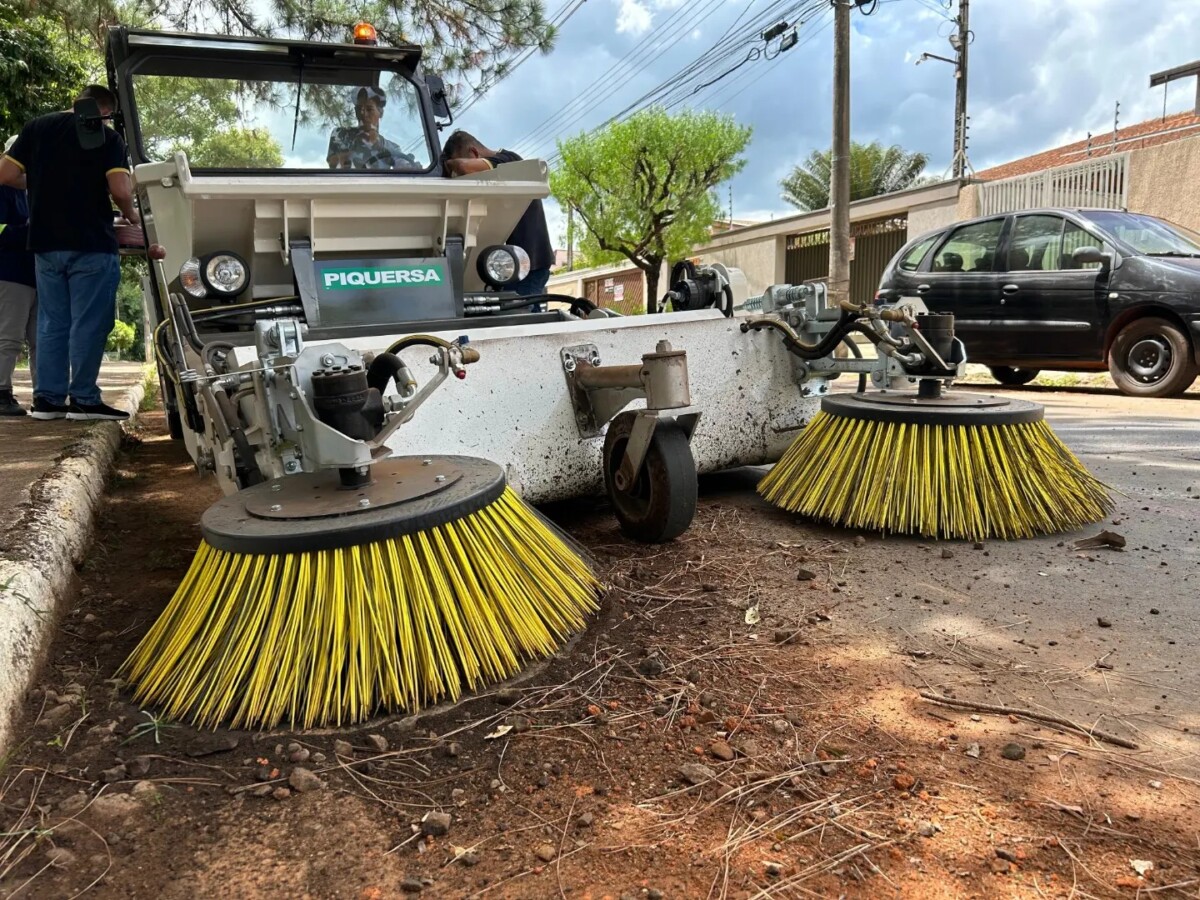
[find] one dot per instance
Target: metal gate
(623, 292)
(875, 243)
(1100, 182)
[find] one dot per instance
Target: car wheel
(1013, 376)
(1151, 357)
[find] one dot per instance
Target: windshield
(1147, 235)
(349, 121)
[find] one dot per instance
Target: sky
(1042, 73)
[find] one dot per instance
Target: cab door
(961, 278)
(1050, 308)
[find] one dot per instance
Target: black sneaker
(9, 406)
(44, 409)
(95, 412)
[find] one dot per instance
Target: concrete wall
(762, 261)
(968, 203)
(760, 251)
(1164, 181)
(930, 217)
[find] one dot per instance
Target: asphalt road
(1032, 608)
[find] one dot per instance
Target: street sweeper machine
(339, 344)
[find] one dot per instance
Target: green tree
(874, 170)
(249, 148)
(40, 71)
(474, 41)
(643, 188)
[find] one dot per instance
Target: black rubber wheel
(1013, 376)
(1151, 357)
(661, 503)
(166, 397)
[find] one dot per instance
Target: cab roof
(199, 51)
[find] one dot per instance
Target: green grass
(150, 388)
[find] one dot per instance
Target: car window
(971, 248)
(1035, 244)
(1075, 237)
(1146, 234)
(913, 257)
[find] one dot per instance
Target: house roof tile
(1133, 137)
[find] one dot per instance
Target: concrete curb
(60, 525)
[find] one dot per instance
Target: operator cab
(300, 179)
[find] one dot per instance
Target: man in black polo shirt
(75, 247)
(462, 155)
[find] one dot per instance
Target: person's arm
(122, 193)
(11, 173)
(116, 171)
(467, 166)
(338, 156)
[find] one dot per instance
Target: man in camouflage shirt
(363, 147)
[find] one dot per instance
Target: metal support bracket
(599, 392)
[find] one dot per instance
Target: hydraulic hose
(245, 451)
(387, 367)
(469, 354)
(862, 376)
(415, 340)
(791, 340)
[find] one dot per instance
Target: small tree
(874, 170)
(643, 188)
(121, 338)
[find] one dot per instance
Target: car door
(960, 278)
(1050, 306)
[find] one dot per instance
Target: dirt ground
(694, 742)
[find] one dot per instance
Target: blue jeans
(533, 285)
(77, 303)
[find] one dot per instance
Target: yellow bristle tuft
(335, 636)
(951, 481)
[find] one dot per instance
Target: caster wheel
(660, 504)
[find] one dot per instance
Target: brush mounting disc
(316, 513)
(322, 494)
(972, 410)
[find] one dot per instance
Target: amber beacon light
(364, 33)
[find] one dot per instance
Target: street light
(925, 56)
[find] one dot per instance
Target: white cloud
(633, 18)
(1038, 78)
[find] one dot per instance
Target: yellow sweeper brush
(316, 604)
(963, 466)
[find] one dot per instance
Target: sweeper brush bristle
(333, 636)
(965, 481)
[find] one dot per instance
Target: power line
(933, 6)
(814, 33)
(560, 18)
(677, 86)
(584, 96)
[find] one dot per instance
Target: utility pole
(960, 89)
(839, 187)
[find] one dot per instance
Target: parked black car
(1070, 289)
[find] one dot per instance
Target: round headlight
(224, 274)
(503, 265)
(189, 278)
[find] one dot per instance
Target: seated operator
(362, 146)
